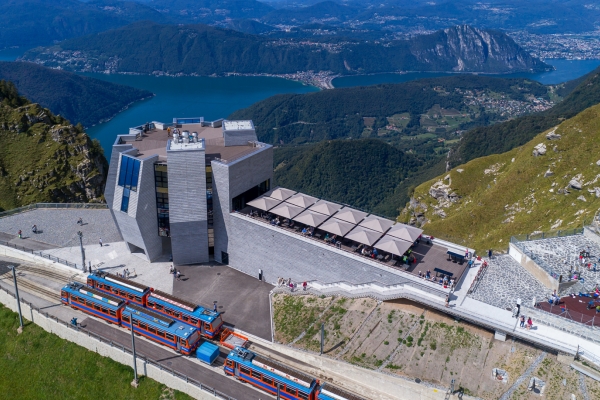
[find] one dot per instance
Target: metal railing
(127, 350)
(41, 254)
(546, 235)
(91, 206)
(478, 277)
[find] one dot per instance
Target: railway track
(32, 287)
(56, 276)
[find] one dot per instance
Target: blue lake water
(566, 70)
(11, 54)
(211, 98)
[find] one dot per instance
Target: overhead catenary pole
(134, 383)
(14, 271)
(80, 234)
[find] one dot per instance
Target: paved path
(28, 241)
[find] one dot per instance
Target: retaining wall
(538, 272)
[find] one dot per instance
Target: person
(447, 300)
(529, 323)
(80, 221)
(420, 274)
(326, 237)
(304, 231)
(522, 325)
(518, 306)
(34, 228)
(178, 275)
(215, 306)
(515, 312)
(289, 281)
(490, 253)
(74, 321)
(169, 131)
(171, 270)
(291, 286)
(590, 305)
(597, 309)
(304, 286)
(20, 234)
(100, 241)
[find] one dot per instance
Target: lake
(211, 98)
(566, 70)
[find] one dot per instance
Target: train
(182, 338)
(271, 376)
(208, 322)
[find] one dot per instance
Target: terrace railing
(545, 235)
(89, 206)
(40, 254)
(126, 349)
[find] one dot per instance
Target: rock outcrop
(539, 150)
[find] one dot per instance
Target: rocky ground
(403, 338)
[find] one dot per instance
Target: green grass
(40, 365)
(519, 189)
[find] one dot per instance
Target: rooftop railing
(86, 206)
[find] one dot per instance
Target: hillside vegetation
(43, 158)
(484, 202)
(79, 99)
(147, 47)
(498, 138)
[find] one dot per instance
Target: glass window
(138, 299)
(125, 318)
(125, 200)
(170, 337)
(267, 380)
(113, 313)
(290, 390)
(128, 173)
(150, 303)
(151, 329)
(229, 363)
(143, 325)
(245, 370)
(256, 374)
(303, 396)
(194, 321)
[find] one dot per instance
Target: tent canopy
(350, 215)
(405, 232)
(336, 227)
(310, 218)
(302, 200)
(280, 193)
(263, 203)
(376, 223)
(392, 245)
(363, 235)
(325, 207)
(286, 210)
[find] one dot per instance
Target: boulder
(539, 150)
(548, 173)
(582, 198)
(439, 190)
(598, 163)
(460, 170)
(552, 136)
(575, 184)
(597, 190)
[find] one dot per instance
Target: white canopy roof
(350, 215)
(376, 223)
(336, 227)
(263, 203)
(363, 235)
(325, 207)
(280, 193)
(286, 210)
(405, 232)
(392, 245)
(310, 218)
(302, 200)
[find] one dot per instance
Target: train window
(106, 287)
(256, 374)
(267, 380)
(138, 299)
(151, 329)
(160, 333)
(159, 307)
(89, 303)
(245, 370)
(125, 318)
(303, 396)
(150, 303)
(170, 337)
(114, 314)
(143, 325)
(229, 363)
(194, 321)
(129, 296)
(290, 390)
(169, 311)
(176, 314)
(121, 293)
(97, 307)
(185, 318)
(104, 310)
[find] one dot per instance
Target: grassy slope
(40, 365)
(487, 199)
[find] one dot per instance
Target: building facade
(172, 186)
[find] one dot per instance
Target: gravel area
(59, 227)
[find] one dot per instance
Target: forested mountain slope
(552, 182)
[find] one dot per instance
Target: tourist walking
(490, 254)
(518, 306)
(34, 228)
(80, 221)
(215, 306)
(447, 300)
(171, 270)
(100, 241)
(529, 323)
(304, 286)
(522, 324)
(20, 234)
(178, 275)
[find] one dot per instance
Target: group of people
(175, 272)
(288, 282)
(333, 240)
(526, 324)
(125, 274)
(441, 280)
(310, 231)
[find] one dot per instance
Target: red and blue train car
(176, 335)
(268, 375)
(131, 291)
(93, 302)
(208, 322)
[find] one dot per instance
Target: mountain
(485, 201)
(43, 158)
(209, 11)
(78, 98)
(147, 47)
(502, 137)
(27, 23)
(329, 10)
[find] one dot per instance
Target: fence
(478, 277)
(39, 253)
(546, 235)
(125, 349)
(561, 311)
(90, 206)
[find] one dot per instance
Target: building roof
(350, 215)
(243, 125)
(393, 245)
(280, 193)
(310, 218)
(286, 210)
(302, 200)
(336, 226)
(363, 235)
(264, 203)
(376, 223)
(325, 207)
(405, 232)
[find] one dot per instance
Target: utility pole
(278, 391)
(80, 234)
(322, 337)
(14, 271)
(134, 383)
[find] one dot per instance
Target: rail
(91, 206)
(478, 277)
(40, 253)
(125, 349)
(545, 235)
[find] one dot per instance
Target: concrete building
(172, 186)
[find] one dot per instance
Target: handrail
(40, 253)
(125, 349)
(93, 206)
(479, 275)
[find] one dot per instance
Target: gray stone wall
(231, 180)
(187, 206)
(239, 138)
(255, 245)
